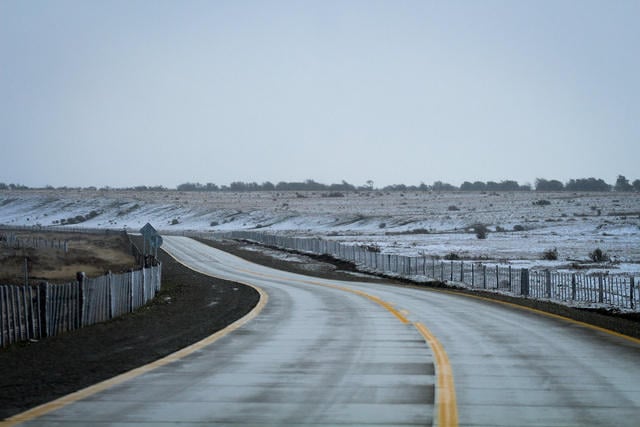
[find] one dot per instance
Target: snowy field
(522, 225)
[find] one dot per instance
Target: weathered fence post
(81, 277)
(473, 275)
(26, 271)
(600, 289)
(510, 282)
(573, 287)
(462, 271)
(131, 291)
(524, 282)
(44, 320)
(109, 293)
(547, 274)
(631, 292)
(484, 276)
(451, 271)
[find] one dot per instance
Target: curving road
(323, 352)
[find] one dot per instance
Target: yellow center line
(446, 403)
(445, 390)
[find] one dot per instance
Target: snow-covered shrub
(550, 254)
(599, 256)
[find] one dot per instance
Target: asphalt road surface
(323, 352)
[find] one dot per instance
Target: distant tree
(189, 186)
(491, 186)
(548, 185)
(344, 186)
(395, 187)
(587, 184)
(509, 186)
(18, 187)
(268, 186)
(3, 186)
(466, 186)
(240, 186)
(443, 186)
(636, 185)
(622, 184)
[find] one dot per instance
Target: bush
(382, 225)
(550, 254)
(453, 208)
(174, 221)
(542, 202)
(599, 256)
(214, 223)
(481, 230)
(452, 256)
(518, 227)
(500, 229)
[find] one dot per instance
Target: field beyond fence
(575, 289)
(32, 312)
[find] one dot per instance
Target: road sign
(147, 231)
(152, 240)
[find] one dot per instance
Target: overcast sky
(123, 93)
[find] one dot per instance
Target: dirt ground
(92, 253)
(35, 373)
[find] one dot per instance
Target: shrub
(550, 254)
(500, 229)
(214, 223)
(481, 230)
(453, 208)
(599, 256)
(174, 221)
(452, 256)
(542, 202)
(518, 227)
(333, 194)
(382, 225)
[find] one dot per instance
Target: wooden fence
(599, 290)
(10, 240)
(37, 311)
(45, 310)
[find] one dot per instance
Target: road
(322, 352)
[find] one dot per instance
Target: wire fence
(37, 311)
(11, 240)
(579, 289)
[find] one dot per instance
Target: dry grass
(93, 254)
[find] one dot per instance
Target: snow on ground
(412, 223)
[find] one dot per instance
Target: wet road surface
(319, 355)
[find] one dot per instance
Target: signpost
(152, 240)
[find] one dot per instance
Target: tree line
(622, 184)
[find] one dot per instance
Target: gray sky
(122, 93)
